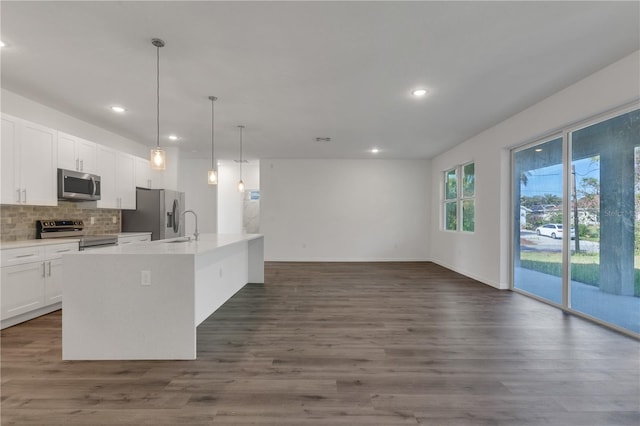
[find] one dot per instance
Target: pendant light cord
(213, 99)
(241, 127)
(158, 96)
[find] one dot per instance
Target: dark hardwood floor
(344, 344)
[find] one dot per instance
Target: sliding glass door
(538, 195)
(605, 281)
(576, 216)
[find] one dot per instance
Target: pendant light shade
(241, 183)
(212, 175)
(158, 155)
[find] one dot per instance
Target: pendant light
(212, 178)
(241, 183)
(158, 155)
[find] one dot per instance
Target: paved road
(533, 242)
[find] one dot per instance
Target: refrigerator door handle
(176, 215)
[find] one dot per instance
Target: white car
(553, 230)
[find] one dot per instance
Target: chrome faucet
(196, 233)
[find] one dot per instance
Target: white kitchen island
(144, 301)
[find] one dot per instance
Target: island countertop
(182, 245)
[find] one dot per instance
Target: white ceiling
(294, 71)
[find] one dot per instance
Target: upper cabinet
(30, 155)
(126, 180)
(29, 160)
(143, 173)
(117, 174)
(77, 154)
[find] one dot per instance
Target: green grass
(585, 268)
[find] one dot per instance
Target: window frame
(461, 197)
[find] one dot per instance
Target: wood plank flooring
(343, 344)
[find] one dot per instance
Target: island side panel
(256, 260)
(219, 275)
(110, 313)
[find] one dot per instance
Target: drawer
(56, 251)
(19, 256)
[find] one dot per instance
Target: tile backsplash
(19, 222)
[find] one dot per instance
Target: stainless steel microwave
(78, 186)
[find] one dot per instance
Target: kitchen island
(144, 301)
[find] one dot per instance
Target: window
(459, 198)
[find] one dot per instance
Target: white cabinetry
(126, 181)
(75, 153)
(117, 173)
(53, 263)
(22, 281)
(31, 281)
(143, 173)
(29, 160)
(106, 169)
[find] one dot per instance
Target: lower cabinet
(31, 281)
(22, 288)
(53, 282)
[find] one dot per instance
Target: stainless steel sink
(178, 241)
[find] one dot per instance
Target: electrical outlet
(114, 219)
(93, 220)
(145, 277)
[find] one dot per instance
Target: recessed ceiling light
(375, 150)
(2, 43)
(173, 137)
(419, 92)
(538, 149)
(116, 108)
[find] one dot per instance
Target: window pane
(468, 215)
(451, 216)
(537, 221)
(451, 185)
(605, 277)
(468, 180)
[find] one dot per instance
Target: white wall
(484, 255)
(230, 201)
(345, 210)
(199, 195)
(19, 106)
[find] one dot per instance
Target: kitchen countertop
(133, 234)
(34, 243)
(206, 243)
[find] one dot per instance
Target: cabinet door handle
(25, 255)
(18, 197)
(63, 251)
(77, 164)
(43, 270)
(82, 165)
(24, 191)
(49, 268)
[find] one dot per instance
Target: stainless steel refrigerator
(159, 211)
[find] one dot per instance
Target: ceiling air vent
(319, 139)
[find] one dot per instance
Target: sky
(548, 180)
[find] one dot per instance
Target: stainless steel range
(46, 229)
